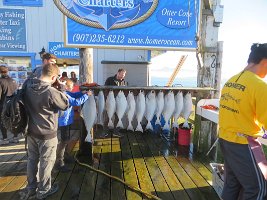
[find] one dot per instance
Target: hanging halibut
(140, 110)
(179, 104)
(130, 110)
(188, 108)
(160, 106)
(100, 107)
(89, 116)
(121, 106)
(150, 108)
(110, 108)
(169, 106)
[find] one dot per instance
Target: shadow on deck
(143, 160)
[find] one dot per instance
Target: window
(23, 2)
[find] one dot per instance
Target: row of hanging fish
(138, 107)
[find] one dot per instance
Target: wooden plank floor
(143, 160)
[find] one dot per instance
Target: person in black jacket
(43, 103)
(7, 87)
(118, 79)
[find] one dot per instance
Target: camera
(60, 86)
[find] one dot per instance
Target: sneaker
(14, 140)
(62, 168)
(52, 190)
(27, 194)
(69, 159)
(4, 142)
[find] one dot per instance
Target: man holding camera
(43, 102)
(47, 58)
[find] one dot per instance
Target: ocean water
(179, 82)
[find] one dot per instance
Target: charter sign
(136, 24)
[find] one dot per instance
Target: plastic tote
(184, 135)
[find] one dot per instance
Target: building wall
(45, 24)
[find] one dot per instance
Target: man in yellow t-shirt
(242, 116)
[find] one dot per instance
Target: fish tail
(157, 120)
(130, 127)
(149, 126)
(88, 138)
(119, 125)
(186, 125)
(166, 126)
(175, 124)
(139, 128)
(110, 124)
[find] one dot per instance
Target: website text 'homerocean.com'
(107, 39)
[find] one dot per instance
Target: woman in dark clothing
(7, 87)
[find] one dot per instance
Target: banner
(58, 49)
(136, 24)
(12, 30)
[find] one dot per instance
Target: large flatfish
(179, 104)
(150, 108)
(88, 113)
(169, 106)
(121, 106)
(160, 106)
(140, 110)
(188, 108)
(130, 110)
(100, 107)
(110, 108)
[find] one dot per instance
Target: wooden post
(209, 74)
(86, 76)
(86, 65)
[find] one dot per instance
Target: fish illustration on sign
(107, 14)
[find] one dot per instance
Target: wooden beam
(207, 4)
(86, 65)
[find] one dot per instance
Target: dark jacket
(75, 99)
(7, 87)
(43, 103)
(114, 81)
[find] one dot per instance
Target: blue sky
(244, 23)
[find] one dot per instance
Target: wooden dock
(143, 160)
